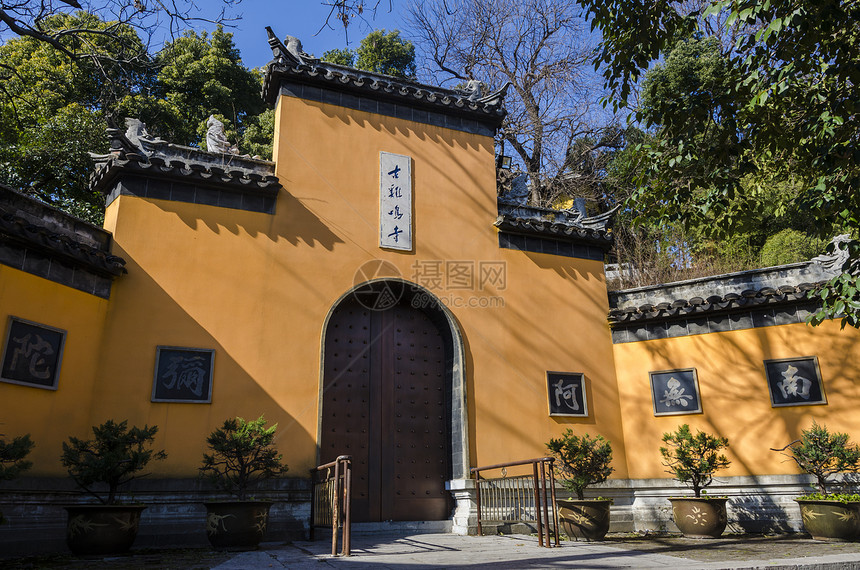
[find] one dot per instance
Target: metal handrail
(338, 486)
(540, 466)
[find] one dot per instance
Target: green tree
(693, 459)
(583, 460)
(822, 454)
(113, 457)
(31, 19)
(54, 110)
(243, 452)
(379, 52)
(343, 56)
(386, 53)
(201, 75)
(789, 113)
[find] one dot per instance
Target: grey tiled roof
(192, 165)
(27, 223)
(325, 75)
(555, 224)
(743, 300)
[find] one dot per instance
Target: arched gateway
(392, 397)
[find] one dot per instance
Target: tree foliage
(822, 454)
(786, 110)
(542, 47)
(31, 19)
(584, 460)
(200, 75)
(13, 456)
(54, 109)
(379, 52)
(243, 452)
(693, 459)
(113, 457)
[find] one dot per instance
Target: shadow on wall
(448, 139)
(292, 222)
(759, 514)
(145, 316)
(731, 376)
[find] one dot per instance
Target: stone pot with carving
(94, 530)
(587, 519)
(830, 520)
(236, 525)
(703, 517)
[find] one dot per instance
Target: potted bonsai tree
(693, 460)
(583, 461)
(13, 459)
(112, 458)
(825, 515)
(243, 453)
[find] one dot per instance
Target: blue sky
(303, 19)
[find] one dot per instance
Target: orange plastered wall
(257, 288)
(735, 399)
(50, 416)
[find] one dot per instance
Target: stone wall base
(757, 504)
(175, 515)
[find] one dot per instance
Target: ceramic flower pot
(102, 529)
(700, 517)
(587, 519)
(236, 525)
(830, 520)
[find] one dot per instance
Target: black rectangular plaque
(183, 375)
(675, 392)
(567, 394)
(32, 354)
(794, 382)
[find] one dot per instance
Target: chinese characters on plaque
(32, 354)
(183, 375)
(395, 201)
(794, 382)
(567, 394)
(675, 392)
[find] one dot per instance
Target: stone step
(392, 528)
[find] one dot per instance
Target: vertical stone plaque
(395, 201)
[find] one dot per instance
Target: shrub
(12, 459)
(243, 453)
(822, 454)
(693, 459)
(583, 460)
(12, 456)
(790, 246)
(113, 457)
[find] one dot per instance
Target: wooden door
(385, 392)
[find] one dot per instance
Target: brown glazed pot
(236, 525)
(830, 520)
(700, 518)
(588, 519)
(102, 529)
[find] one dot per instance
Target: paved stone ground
(420, 551)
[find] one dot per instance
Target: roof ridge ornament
(834, 261)
(292, 51)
